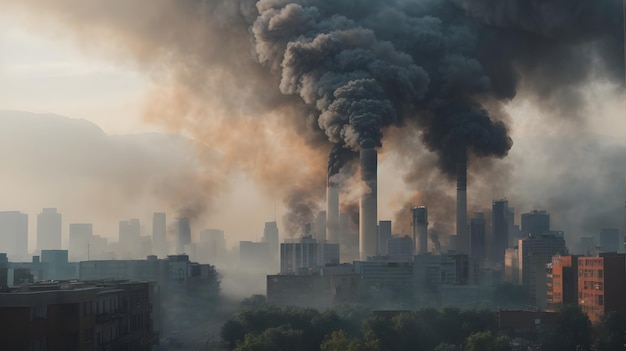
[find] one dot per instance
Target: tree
(273, 339)
(339, 341)
(485, 341)
(571, 331)
(610, 332)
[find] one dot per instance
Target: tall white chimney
(368, 205)
(332, 213)
(420, 229)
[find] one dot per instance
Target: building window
(601, 300)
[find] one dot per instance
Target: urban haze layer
(383, 157)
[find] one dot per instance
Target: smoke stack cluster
(462, 237)
(420, 229)
(368, 216)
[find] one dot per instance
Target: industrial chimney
(420, 229)
(368, 205)
(462, 237)
(332, 212)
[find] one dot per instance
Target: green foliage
(485, 341)
(273, 339)
(339, 341)
(572, 330)
(611, 331)
(254, 301)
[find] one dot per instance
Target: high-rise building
(129, 238)
(384, 235)
(610, 240)
(49, 229)
(500, 224)
(535, 222)
(159, 237)
(420, 229)
(80, 238)
(183, 236)
(478, 243)
(213, 244)
(270, 235)
(14, 235)
(400, 249)
(305, 254)
(534, 253)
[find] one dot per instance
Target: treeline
(261, 327)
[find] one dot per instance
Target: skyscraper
(49, 229)
(478, 241)
(270, 235)
(384, 234)
(609, 240)
(159, 238)
(14, 235)
(129, 238)
(535, 222)
(501, 216)
(183, 237)
(80, 237)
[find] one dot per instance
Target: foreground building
(113, 315)
(601, 285)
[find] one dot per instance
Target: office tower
(500, 225)
(80, 237)
(307, 254)
(270, 235)
(533, 255)
(384, 234)
(159, 237)
(14, 235)
(368, 212)
(535, 222)
(183, 236)
(129, 238)
(609, 240)
(49, 229)
(478, 242)
(462, 237)
(420, 229)
(401, 248)
(320, 226)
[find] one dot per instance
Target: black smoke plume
(443, 67)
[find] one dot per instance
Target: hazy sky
(45, 70)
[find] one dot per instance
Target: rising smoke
(275, 85)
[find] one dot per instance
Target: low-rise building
(112, 315)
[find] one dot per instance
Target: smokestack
(462, 237)
(420, 229)
(368, 205)
(332, 212)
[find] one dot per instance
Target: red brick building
(602, 284)
(562, 282)
(77, 316)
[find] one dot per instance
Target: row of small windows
(590, 273)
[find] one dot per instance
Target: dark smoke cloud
(266, 82)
